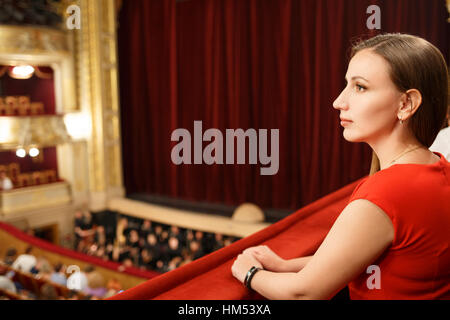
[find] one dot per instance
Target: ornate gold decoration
(86, 80)
(96, 62)
(19, 39)
(40, 46)
(40, 131)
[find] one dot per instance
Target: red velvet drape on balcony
(248, 64)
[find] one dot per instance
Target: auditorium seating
(5, 109)
(27, 179)
(128, 277)
(49, 176)
(34, 284)
(13, 170)
(20, 106)
(36, 108)
(10, 295)
(24, 180)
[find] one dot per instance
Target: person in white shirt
(5, 182)
(442, 142)
(7, 284)
(25, 262)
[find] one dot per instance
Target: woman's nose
(340, 102)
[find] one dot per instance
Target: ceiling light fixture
(21, 153)
(21, 72)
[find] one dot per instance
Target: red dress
(416, 197)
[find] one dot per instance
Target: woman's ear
(411, 101)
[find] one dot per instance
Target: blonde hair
(95, 280)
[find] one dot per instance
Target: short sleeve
(376, 191)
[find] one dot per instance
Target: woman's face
(370, 100)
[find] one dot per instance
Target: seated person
(25, 262)
(10, 256)
(5, 282)
(59, 274)
(391, 240)
(5, 182)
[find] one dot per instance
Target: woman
(391, 241)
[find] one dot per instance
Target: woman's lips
(345, 122)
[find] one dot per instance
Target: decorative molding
(96, 61)
(40, 46)
(20, 39)
(185, 219)
(36, 197)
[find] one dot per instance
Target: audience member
(59, 274)
(42, 269)
(153, 246)
(48, 292)
(5, 182)
(146, 261)
(101, 253)
(173, 250)
(10, 256)
(146, 229)
(121, 234)
(79, 225)
(25, 262)
(5, 282)
(96, 285)
(133, 239)
(100, 237)
(84, 232)
(89, 281)
(134, 255)
(114, 287)
(195, 250)
(218, 242)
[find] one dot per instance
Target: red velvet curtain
(262, 64)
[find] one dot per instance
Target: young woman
(392, 239)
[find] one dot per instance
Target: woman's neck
(395, 151)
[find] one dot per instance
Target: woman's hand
(268, 259)
(242, 264)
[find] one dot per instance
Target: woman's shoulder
(387, 178)
(404, 181)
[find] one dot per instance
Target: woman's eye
(360, 88)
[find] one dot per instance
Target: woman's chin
(351, 138)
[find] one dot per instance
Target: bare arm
(297, 264)
(359, 236)
(273, 262)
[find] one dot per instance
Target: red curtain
(262, 64)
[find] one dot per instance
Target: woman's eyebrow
(357, 77)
